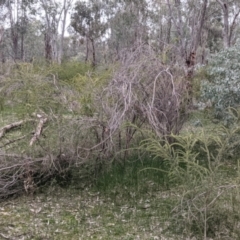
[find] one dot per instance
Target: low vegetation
(114, 153)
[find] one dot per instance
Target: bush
(197, 170)
(68, 70)
(40, 137)
(222, 83)
(144, 91)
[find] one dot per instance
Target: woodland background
(136, 99)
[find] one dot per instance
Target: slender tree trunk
(178, 24)
(226, 25)
(60, 53)
(22, 46)
(66, 5)
(196, 39)
(1, 39)
(14, 33)
(232, 27)
(169, 28)
(15, 43)
(48, 46)
(227, 29)
(87, 49)
(93, 53)
(199, 29)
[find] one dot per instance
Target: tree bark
(232, 27)
(14, 33)
(66, 6)
(93, 53)
(226, 32)
(48, 46)
(87, 49)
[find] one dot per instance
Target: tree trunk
(22, 47)
(227, 31)
(14, 33)
(15, 44)
(87, 49)
(226, 26)
(66, 6)
(178, 24)
(48, 46)
(1, 39)
(93, 53)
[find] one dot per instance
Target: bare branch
(39, 128)
(11, 126)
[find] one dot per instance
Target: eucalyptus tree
(128, 24)
(88, 20)
(231, 11)
(3, 16)
(54, 13)
(188, 20)
(51, 22)
(65, 9)
(17, 18)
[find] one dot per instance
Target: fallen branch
(13, 141)
(11, 126)
(42, 121)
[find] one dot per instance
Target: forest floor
(128, 203)
(122, 213)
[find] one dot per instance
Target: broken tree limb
(39, 128)
(13, 141)
(11, 126)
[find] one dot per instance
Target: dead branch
(13, 141)
(143, 87)
(39, 128)
(12, 126)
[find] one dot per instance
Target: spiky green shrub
(195, 166)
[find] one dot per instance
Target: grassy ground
(106, 210)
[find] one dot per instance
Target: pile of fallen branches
(34, 156)
(16, 169)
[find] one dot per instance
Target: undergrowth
(184, 186)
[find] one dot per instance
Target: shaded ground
(131, 203)
(87, 214)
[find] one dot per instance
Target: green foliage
(69, 86)
(134, 174)
(86, 19)
(196, 163)
(222, 83)
(87, 85)
(197, 81)
(29, 89)
(68, 70)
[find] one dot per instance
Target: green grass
(123, 203)
(117, 213)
